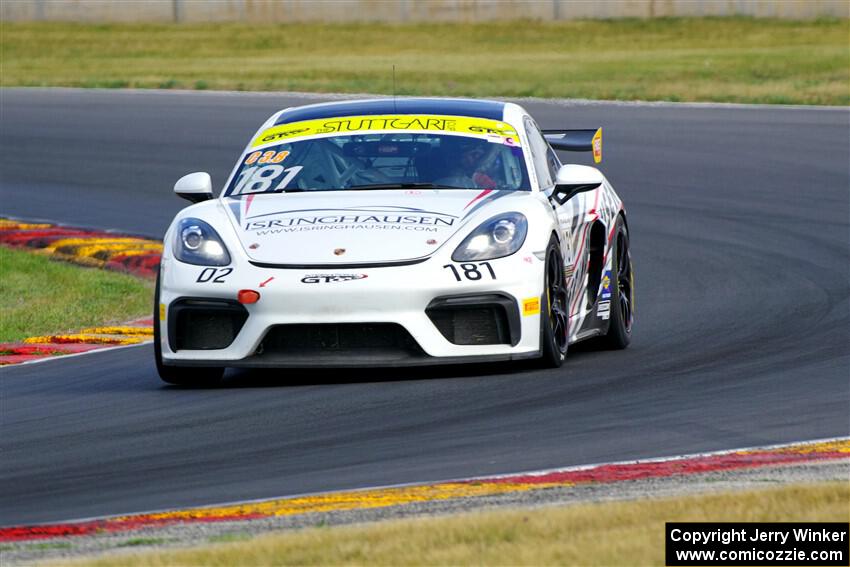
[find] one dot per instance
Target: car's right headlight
(496, 237)
(196, 242)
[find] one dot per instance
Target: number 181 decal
(260, 179)
(471, 271)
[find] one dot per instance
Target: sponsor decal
(498, 128)
(606, 285)
(596, 143)
(531, 306)
(478, 127)
(330, 278)
(603, 310)
(162, 311)
(388, 218)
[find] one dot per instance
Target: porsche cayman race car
(394, 232)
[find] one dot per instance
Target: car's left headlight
(196, 242)
(496, 237)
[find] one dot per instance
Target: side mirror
(574, 179)
(195, 187)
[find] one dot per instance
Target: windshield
(373, 161)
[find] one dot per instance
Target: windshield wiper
(403, 186)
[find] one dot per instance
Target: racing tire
(554, 309)
(623, 291)
(179, 375)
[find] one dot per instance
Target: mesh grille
(380, 340)
(472, 325)
(205, 325)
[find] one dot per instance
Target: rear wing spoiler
(577, 141)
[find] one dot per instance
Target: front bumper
(397, 295)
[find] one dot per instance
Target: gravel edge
(194, 534)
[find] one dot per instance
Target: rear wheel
(554, 309)
(623, 291)
(184, 376)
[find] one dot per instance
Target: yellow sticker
(266, 157)
(406, 122)
(596, 142)
(531, 306)
(162, 311)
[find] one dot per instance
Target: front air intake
(354, 343)
(490, 319)
(204, 324)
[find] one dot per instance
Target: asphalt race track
(739, 220)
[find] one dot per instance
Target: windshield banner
(501, 131)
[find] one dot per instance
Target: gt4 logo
(485, 130)
(328, 278)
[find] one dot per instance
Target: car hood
(362, 227)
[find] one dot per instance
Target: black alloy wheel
(555, 317)
(622, 309)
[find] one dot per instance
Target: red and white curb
(91, 248)
(382, 497)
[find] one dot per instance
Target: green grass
(710, 59)
(140, 541)
(41, 296)
(51, 545)
(608, 533)
(228, 538)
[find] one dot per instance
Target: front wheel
(182, 376)
(623, 291)
(554, 309)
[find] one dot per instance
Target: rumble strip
(741, 459)
(93, 248)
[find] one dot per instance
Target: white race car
(394, 232)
